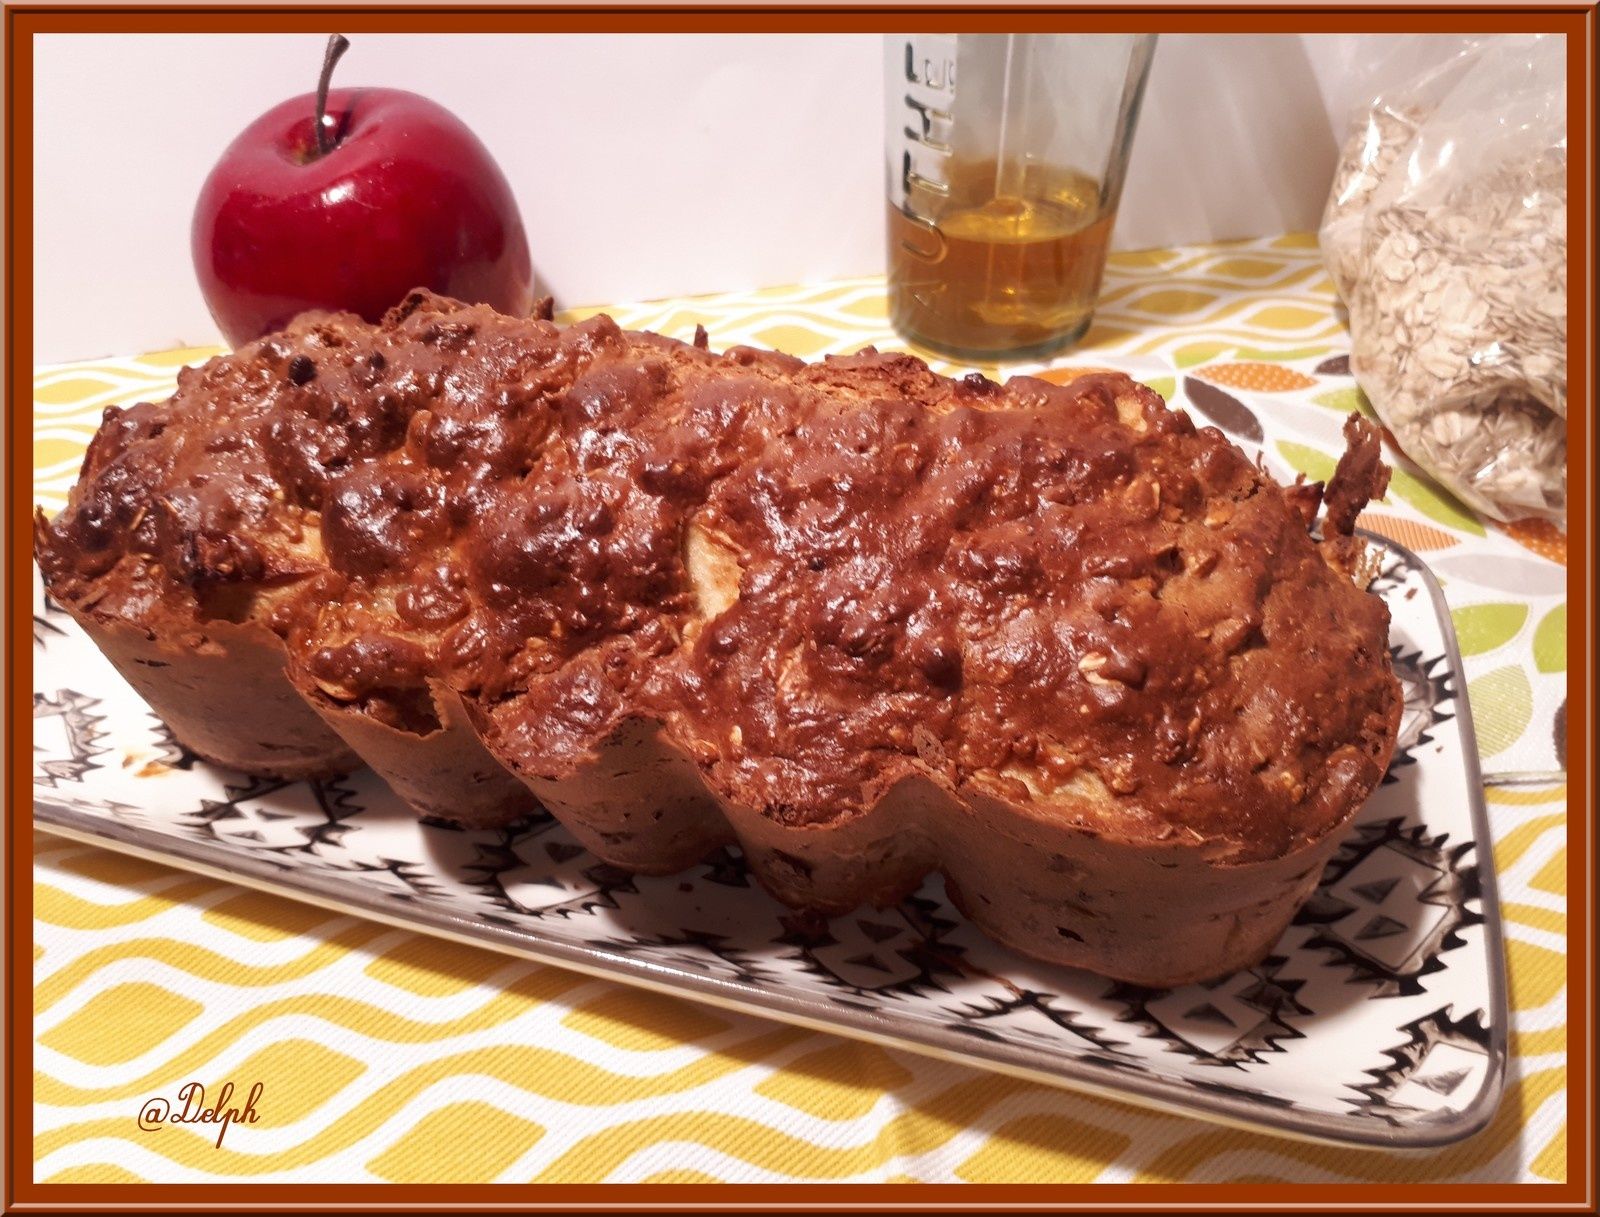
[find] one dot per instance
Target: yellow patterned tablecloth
(391, 1056)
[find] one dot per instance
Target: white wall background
(645, 165)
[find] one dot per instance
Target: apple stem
(338, 44)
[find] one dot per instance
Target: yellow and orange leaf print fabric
(384, 1055)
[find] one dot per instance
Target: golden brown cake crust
(794, 592)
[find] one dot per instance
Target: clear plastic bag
(1446, 236)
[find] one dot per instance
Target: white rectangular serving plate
(1379, 1019)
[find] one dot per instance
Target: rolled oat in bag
(1446, 236)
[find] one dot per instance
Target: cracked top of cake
(821, 579)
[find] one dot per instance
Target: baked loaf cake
(865, 621)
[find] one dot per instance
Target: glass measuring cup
(1003, 189)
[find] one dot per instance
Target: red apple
(396, 194)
